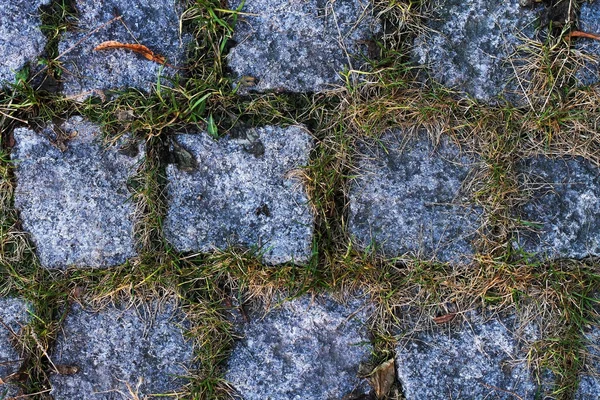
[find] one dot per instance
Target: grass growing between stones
(559, 119)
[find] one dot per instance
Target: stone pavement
(409, 198)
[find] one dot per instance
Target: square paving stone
(72, 195)
(308, 348)
(469, 42)
(151, 23)
(299, 46)
(589, 21)
(122, 353)
(563, 211)
(14, 314)
(408, 198)
(21, 40)
(481, 360)
(240, 190)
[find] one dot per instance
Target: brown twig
(582, 34)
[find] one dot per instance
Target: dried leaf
(137, 48)
(382, 378)
(67, 369)
(442, 319)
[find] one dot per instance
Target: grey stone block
(122, 353)
(481, 360)
(21, 40)
(589, 21)
(408, 198)
(152, 23)
(563, 210)
(589, 380)
(308, 348)
(241, 191)
(469, 42)
(299, 46)
(13, 315)
(75, 203)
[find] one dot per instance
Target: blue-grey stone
(14, 314)
(151, 23)
(468, 45)
(121, 352)
(589, 21)
(241, 191)
(562, 216)
(299, 46)
(408, 198)
(308, 348)
(589, 380)
(72, 195)
(21, 40)
(482, 359)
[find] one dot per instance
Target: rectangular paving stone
(151, 23)
(468, 44)
(72, 195)
(563, 210)
(309, 348)
(143, 348)
(407, 199)
(21, 40)
(299, 46)
(240, 191)
(589, 21)
(14, 314)
(481, 360)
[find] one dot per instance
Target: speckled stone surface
(75, 203)
(563, 210)
(469, 42)
(308, 348)
(152, 23)
(21, 40)
(14, 315)
(114, 348)
(299, 45)
(589, 21)
(468, 362)
(241, 191)
(589, 380)
(407, 198)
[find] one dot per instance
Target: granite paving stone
(563, 211)
(14, 314)
(241, 190)
(307, 348)
(299, 46)
(468, 45)
(154, 24)
(21, 40)
(589, 379)
(483, 359)
(72, 195)
(589, 21)
(121, 352)
(408, 198)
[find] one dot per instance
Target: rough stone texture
(309, 348)
(408, 198)
(21, 39)
(241, 192)
(294, 45)
(589, 21)
(459, 364)
(152, 23)
(589, 383)
(75, 203)
(565, 206)
(469, 42)
(14, 315)
(143, 348)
